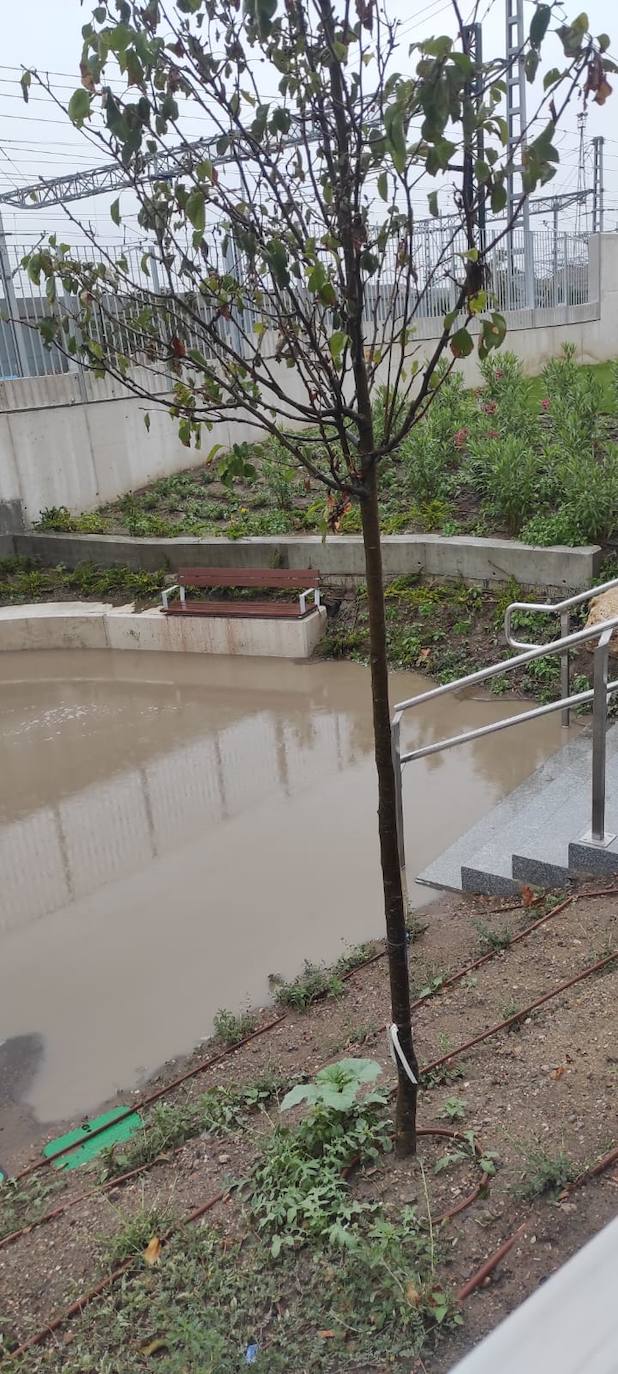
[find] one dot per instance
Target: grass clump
(219, 1111)
(315, 982)
(132, 1237)
(544, 1174)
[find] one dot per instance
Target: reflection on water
(171, 832)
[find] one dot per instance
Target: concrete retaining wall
(74, 441)
(339, 558)
(83, 625)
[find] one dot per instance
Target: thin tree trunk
(405, 1120)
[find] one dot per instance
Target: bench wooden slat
(301, 578)
(260, 610)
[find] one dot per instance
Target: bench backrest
(300, 578)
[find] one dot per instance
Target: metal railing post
(397, 768)
(599, 740)
(565, 666)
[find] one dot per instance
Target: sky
(37, 140)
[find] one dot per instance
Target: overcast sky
(37, 140)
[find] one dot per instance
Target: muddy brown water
(174, 830)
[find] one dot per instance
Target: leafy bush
(231, 1029)
(552, 528)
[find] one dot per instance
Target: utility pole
(516, 120)
(474, 145)
(598, 188)
(11, 308)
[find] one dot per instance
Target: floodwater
(174, 830)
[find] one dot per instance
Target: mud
(172, 832)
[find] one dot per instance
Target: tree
(288, 241)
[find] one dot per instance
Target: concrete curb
(90, 625)
(338, 558)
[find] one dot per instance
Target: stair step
(533, 836)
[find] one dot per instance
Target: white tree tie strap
(396, 1052)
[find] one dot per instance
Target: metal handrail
(598, 694)
(563, 609)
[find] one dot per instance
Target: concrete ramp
(535, 834)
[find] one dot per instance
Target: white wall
(72, 441)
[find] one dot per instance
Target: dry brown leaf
(412, 1295)
(559, 1072)
(326, 1335)
(152, 1251)
(527, 895)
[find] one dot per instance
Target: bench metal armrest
(169, 591)
(311, 591)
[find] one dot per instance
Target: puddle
(172, 831)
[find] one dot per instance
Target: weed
(297, 1189)
(454, 1109)
(492, 939)
(467, 1150)
(310, 986)
(132, 1237)
(444, 1074)
(219, 1111)
(230, 1028)
(353, 958)
(431, 984)
(544, 1174)
(22, 1203)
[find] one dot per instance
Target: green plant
(297, 1189)
(492, 939)
(544, 1174)
(23, 1202)
(353, 958)
(444, 1074)
(56, 518)
(232, 1028)
(454, 1109)
(312, 984)
(467, 1150)
(133, 1235)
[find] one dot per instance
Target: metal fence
(558, 276)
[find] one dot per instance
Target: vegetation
(544, 1175)
(531, 458)
(220, 1111)
(231, 1028)
(313, 233)
(26, 580)
(314, 1277)
(22, 1203)
(315, 982)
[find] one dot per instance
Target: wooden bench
(304, 580)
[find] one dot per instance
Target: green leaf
(277, 259)
(383, 186)
(25, 83)
(603, 41)
(361, 1070)
(551, 78)
(196, 210)
(433, 203)
(540, 24)
(79, 106)
(50, 290)
(147, 421)
(395, 137)
(498, 198)
(531, 64)
(301, 1092)
(461, 344)
(336, 344)
(114, 210)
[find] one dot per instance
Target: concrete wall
(73, 441)
(339, 558)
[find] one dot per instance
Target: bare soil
(545, 1087)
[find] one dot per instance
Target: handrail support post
(398, 772)
(565, 667)
(598, 834)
